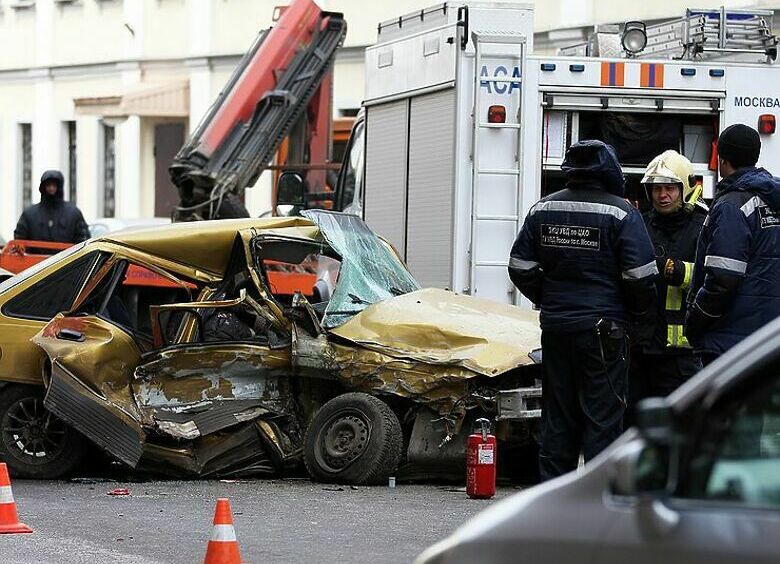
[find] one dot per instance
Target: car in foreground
(697, 481)
(183, 352)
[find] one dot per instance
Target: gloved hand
(696, 322)
(671, 270)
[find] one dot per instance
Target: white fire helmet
(670, 167)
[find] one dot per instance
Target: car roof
(204, 245)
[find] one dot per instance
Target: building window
(109, 172)
(25, 166)
(348, 112)
(70, 129)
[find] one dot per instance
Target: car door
(726, 506)
(222, 365)
(94, 350)
(32, 299)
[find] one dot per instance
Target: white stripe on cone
(223, 533)
(6, 496)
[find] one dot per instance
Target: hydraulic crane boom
(284, 72)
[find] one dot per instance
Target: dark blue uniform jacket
(584, 253)
(736, 281)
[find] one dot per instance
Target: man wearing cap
(674, 223)
(736, 282)
(584, 255)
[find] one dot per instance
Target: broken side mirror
(290, 194)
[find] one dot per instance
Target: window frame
(108, 269)
(90, 273)
(720, 399)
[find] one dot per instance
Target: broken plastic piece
(119, 491)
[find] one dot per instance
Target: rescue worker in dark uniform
(584, 256)
(736, 280)
(53, 219)
(674, 223)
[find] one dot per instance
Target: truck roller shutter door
(430, 211)
(385, 181)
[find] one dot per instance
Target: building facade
(107, 90)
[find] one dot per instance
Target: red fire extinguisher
(481, 461)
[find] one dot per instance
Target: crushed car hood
(441, 327)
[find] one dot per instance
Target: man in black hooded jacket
(53, 219)
(585, 257)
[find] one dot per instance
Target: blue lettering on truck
(756, 102)
(502, 72)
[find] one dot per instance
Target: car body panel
(88, 387)
(183, 404)
(578, 518)
(203, 245)
(440, 327)
(21, 361)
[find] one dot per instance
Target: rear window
(36, 268)
(55, 293)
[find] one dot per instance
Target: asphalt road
(275, 521)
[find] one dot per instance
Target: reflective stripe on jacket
(674, 237)
(736, 280)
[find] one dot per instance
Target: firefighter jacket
(736, 280)
(583, 253)
(674, 238)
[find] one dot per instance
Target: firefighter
(53, 219)
(584, 256)
(735, 288)
(674, 223)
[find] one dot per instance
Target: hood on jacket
(755, 180)
(593, 164)
(57, 177)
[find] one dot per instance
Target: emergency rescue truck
(463, 129)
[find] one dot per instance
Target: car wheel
(34, 443)
(353, 439)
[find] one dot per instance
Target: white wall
(54, 52)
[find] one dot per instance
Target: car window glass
(738, 457)
(371, 271)
(292, 267)
(55, 293)
(36, 268)
(125, 294)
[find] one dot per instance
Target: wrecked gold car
(267, 343)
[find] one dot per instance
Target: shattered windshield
(370, 272)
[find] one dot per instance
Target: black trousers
(657, 375)
(583, 398)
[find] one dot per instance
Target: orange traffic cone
(9, 520)
(223, 546)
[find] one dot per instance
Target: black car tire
(25, 424)
(353, 439)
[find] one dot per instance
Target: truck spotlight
(634, 37)
(766, 124)
(496, 114)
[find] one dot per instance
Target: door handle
(70, 335)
